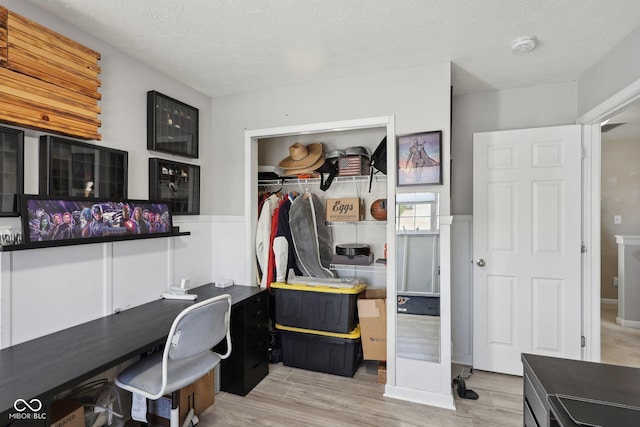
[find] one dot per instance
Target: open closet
(364, 234)
(409, 379)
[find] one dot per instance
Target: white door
(526, 246)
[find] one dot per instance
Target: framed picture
(175, 183)
(172, 126)
(419, 158)
(54, 219)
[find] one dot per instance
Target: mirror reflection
(418, 276)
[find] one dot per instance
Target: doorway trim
(591, 192)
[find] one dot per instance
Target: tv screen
(50, 219)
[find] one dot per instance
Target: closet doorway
(598, 310)
(620, 184)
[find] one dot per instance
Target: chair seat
(145, 376)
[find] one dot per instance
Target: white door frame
(591, 183)
(251, 138)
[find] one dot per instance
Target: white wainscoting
(229, 251)
(461, 289)
(49, 289)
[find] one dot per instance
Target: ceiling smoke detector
(523, 44)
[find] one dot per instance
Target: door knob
(480, 262)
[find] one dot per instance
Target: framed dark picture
(11, 170)
(172, 126)
(176, 184)
(76, 169)
(419, 159)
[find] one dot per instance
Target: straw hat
(302, 156)
(309, 169)
(302, 159)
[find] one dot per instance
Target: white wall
(75, 284)
(549, 105)
(613, 72)
(418, 97)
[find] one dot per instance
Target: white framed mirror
(418, 276)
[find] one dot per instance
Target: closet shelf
(364, 223)
(376, 268)
(316, 181)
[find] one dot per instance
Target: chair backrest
(199, 328)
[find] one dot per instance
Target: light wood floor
(618, 346)
(296, 397)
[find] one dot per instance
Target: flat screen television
(62, 219)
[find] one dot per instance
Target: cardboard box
(372, 313)
(198, 395)
(67, 413)
(382, 373)
(345, 209)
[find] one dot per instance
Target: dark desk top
(584, 380)
(53, 363)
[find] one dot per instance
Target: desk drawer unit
(533, 401)
(529, 421)
(248, 363)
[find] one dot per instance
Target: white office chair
(188, 353)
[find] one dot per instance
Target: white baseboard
(462, 359)
(628, 323)
(421, 396)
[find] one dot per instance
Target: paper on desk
(139, 408)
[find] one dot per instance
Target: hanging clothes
(271, 266)
(311, 236)
(285, 258)
(263, 235)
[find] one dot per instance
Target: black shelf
(175, 183)
(85, 241)
(77, 169)
(172, 126)
(11, 170)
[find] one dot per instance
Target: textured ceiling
(224, 47)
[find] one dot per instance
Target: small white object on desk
(226, 283)
(167, 295)
(178, 291)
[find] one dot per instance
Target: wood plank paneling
(31, 65)
(58, 51)
(47, 81)
(51, 37)
(43, 122)
(3, 36)
(52, 99)
(39, 87)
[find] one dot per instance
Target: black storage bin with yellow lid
(331, 353)
(321, 308)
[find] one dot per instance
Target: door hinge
(583, 248)
(583, 341)
(583, 153)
